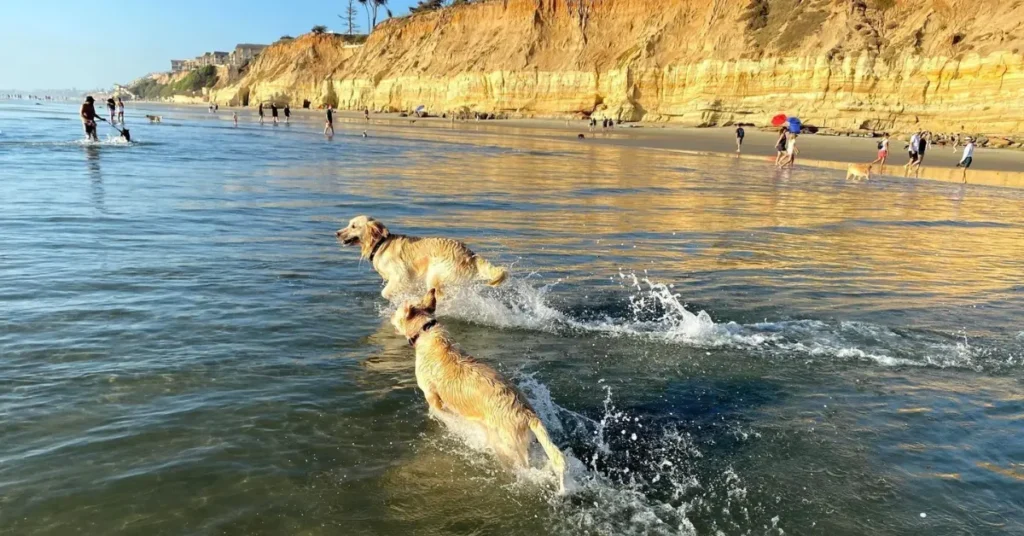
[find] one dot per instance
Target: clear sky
(60, 44)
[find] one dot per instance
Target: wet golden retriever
(456, 383)
(858, 171)
(411, 263)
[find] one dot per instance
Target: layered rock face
(942, 65)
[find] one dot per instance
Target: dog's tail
(494, 275)
(555, 455)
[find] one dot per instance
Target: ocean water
(719, 347)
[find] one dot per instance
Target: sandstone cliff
(888, 64)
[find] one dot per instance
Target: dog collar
(376, 248)
(426, 327)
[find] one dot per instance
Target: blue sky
(59, 44)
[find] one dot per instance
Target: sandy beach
(993, 167)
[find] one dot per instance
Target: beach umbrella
(778, 120)
(794, 125)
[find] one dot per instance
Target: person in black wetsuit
(273, 112)
(287, 113)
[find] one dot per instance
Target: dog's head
(363, 230)
(410, 318)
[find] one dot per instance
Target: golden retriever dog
(858, 171)
(412, 263)
(153, 118)
(458, 384)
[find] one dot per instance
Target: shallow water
(721, 347)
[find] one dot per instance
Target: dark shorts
(914, 157)
(90, 128)
(966, 163)
(739, 139)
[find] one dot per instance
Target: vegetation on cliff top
(190, 84)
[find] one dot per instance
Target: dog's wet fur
(409, 263)
(455, 383)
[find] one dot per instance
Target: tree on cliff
(427, 5)
(349, 17)
(319, 29)
(372, 8)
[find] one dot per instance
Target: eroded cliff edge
(888, 64)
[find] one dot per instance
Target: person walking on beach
(366, 115)
(88, 114)
(918, 158)
(330, 121)
(780, 147)
(791, 150)
(273, 111)
(593, 123)
(260, 111)
(967, 158)
(883, 152)
(739, 138)
(120, 110)
(112, 108)
(915, 139)
(287, 113)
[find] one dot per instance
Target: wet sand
(994, 167)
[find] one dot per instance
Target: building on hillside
(243, 53)
(178, 66)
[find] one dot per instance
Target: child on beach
(883, 152)
(739, 138)
(967, 158)
(780, 147)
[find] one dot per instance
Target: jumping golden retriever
(456, 383)
(858, 171)
(412, 263)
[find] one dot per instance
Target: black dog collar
(376, 248)
(426, 327)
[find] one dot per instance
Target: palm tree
(372, 7)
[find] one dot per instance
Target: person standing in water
(330, 121)
(273, 111)
(780, 147)
(739, 138)
(287, 113)
(234, 117)
(260, 111)
(120, 110)
(112, 108)
(88, 114)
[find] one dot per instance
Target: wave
(655, 312)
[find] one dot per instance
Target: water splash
(655, 312)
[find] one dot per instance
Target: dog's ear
(410, 311)
(376, 230)
(429, 303)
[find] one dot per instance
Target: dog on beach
(581, 137)
(409, 263)
(153, 118)
(858, 171)
(456, 383)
